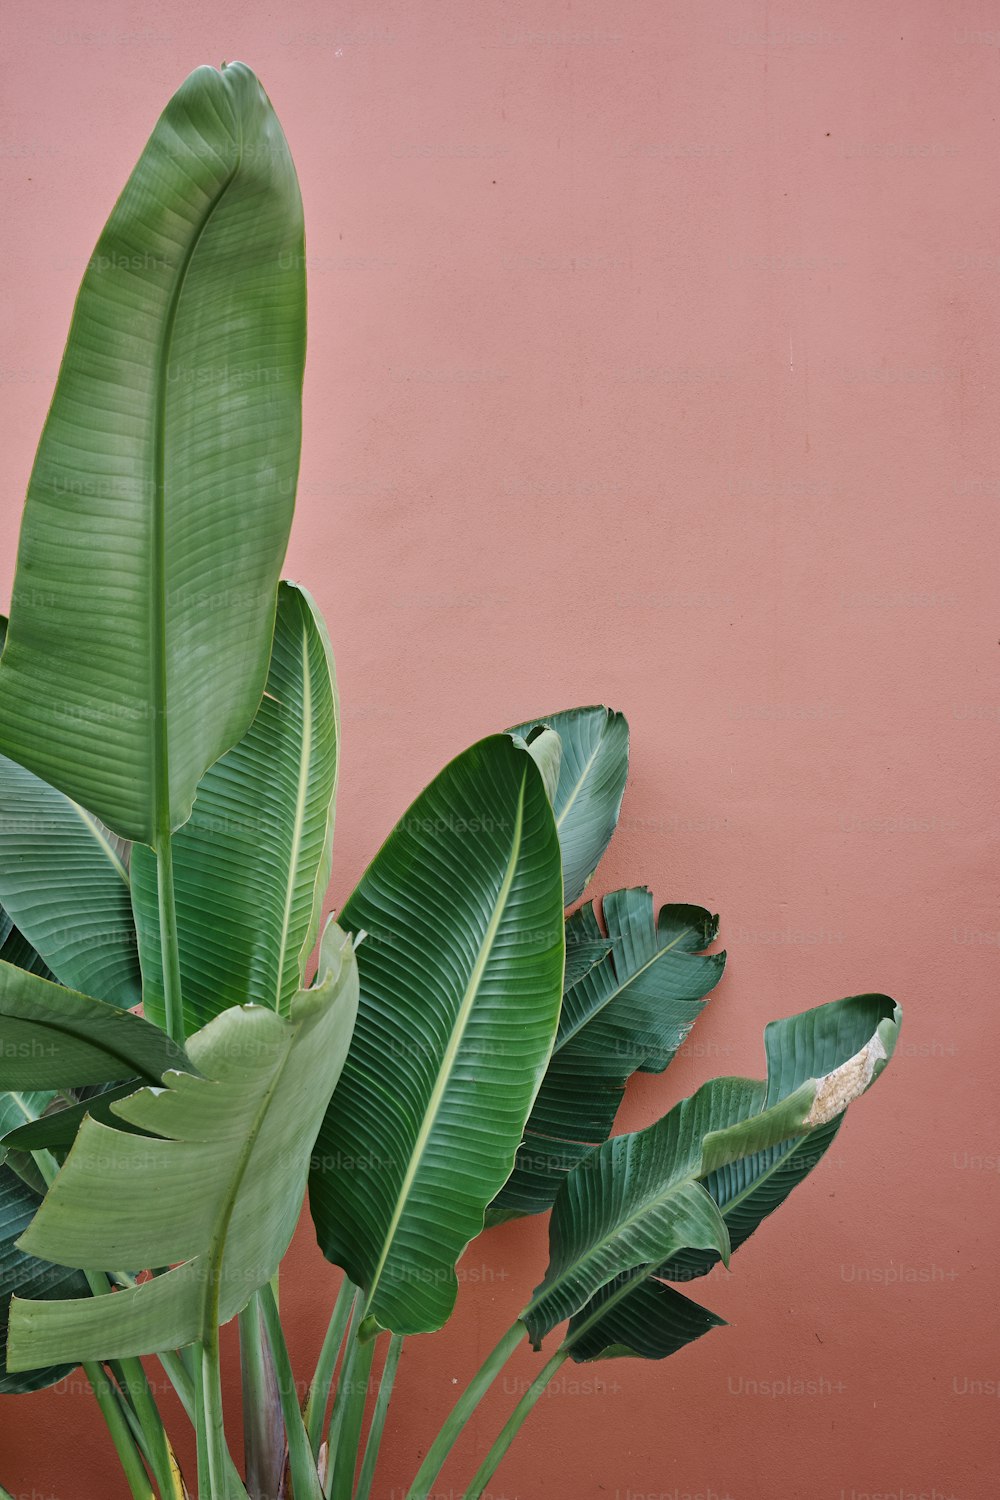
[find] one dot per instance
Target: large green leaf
(634, 1201)
(64, 880)
(749, 1190)
(588, 797)
(24, 1276)
(461, 973)
(630, 1010)
(160, 501)
(215, 1188)
(252, 863)
(54, 1038)
(638, 1314)
(628, 1207)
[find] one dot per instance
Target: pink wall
(653, 361)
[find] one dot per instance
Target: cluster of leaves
(168, 713)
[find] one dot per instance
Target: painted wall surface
(654, 360)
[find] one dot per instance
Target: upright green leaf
(616, 1212)
(461, 971)
(630, 1010)
(722, 1138)
(252, 863)
(161, 497)
(214, 1189)
(64, 880)
(591, 785)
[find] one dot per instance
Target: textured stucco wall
(653, 361)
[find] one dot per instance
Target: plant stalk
(462, 1411)
(386, 1383)
(186, 1387)
(354, 1384)
(340, 1395)
(213, 1453)
(319, 1391)
(125, 1446)
(161, 1455)
(263, 1429)
(201, 1436)
(128, 1412)
(169, 947)
(513, 1425)
(301, 1462)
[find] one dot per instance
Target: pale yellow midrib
(19, 1101)
(620, 990)
(580, 781)
(300, 815)
(659, 1199)
(215, 1251)
(104, 844)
